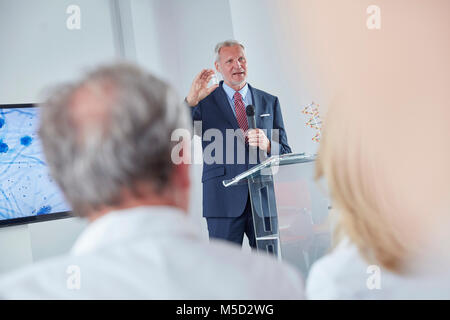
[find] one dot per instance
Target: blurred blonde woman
(385, 155)
(392, 205)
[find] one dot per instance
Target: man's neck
(236, 87)
(133, 203)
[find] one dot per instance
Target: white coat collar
(121, 226)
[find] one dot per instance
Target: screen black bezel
(31, 219)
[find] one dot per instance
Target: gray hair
(227, 43)
(131, 144)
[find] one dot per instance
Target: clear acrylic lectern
(290, 210)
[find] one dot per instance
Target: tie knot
(237, 96)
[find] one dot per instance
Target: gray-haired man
(107, 142)
(222, 107)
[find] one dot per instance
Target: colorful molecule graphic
(314, 121)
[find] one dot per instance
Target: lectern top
(285, 159)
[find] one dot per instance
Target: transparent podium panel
(264, 210)
(290, 209)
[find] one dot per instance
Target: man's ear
(216, 64)
(181, 176)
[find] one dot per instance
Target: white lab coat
(344, 274)
(152, 253)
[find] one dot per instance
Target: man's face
(232, 65)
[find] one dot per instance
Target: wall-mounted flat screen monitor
(27, 191)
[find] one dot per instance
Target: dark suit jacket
(215, 112)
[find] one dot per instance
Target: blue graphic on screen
(26, 188)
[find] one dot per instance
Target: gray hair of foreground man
(110, 132)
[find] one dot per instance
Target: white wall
(272, 32)
(38, 49)
(176, 38)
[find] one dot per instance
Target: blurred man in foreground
(107, 143)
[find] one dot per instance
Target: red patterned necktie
(241, 116)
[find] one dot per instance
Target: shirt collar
(230, 91)
(121, 226)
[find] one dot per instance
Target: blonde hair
(348, 160)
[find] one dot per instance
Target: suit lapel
(258, 103)
(222, 101)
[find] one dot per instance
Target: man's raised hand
(199, 88)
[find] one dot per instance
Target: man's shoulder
(38, 280)
(243, 274)
(257, 271)
(213, 97)
(262, 93)
(339, 274)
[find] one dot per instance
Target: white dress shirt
(152, 253)
(245, 93)
(344, 274)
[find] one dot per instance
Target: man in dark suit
(221, 107)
